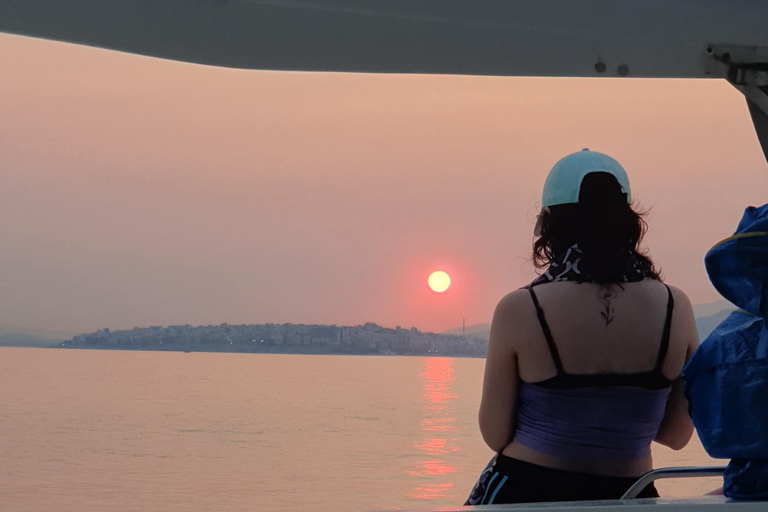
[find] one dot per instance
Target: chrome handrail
(657, 474)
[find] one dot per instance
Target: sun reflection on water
(437, 424)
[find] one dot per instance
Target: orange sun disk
(439, 281)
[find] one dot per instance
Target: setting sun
(439, 281)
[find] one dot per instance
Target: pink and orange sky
(141, 192)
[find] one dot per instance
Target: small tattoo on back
(607, 313)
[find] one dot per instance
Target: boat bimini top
(725, 39)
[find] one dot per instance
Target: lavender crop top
(596, 416)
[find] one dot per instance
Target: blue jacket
(726, 379)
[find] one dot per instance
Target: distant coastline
(367, 339)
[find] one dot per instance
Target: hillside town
(367, 339)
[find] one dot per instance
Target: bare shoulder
(513, 307)
(683, 319)
(512, 319)
(681, 299)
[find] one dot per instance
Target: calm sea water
(122, 431)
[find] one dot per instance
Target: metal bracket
(745, 68)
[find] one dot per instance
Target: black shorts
(507, 480)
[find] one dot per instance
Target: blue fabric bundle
(726, 379)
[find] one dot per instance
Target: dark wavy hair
(607, 229)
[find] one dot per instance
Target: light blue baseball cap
(564, 180)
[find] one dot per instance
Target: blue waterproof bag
(726, 379)
(726, 382)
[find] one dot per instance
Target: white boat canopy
(724, 39)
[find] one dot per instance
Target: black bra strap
(547, 334)
(667, 329)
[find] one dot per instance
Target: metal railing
(658, 474)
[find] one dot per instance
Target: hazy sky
(139, 192)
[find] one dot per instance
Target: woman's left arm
(498, 406)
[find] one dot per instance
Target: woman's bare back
(602, 330)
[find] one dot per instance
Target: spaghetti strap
(664, 346)
(547, 334)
